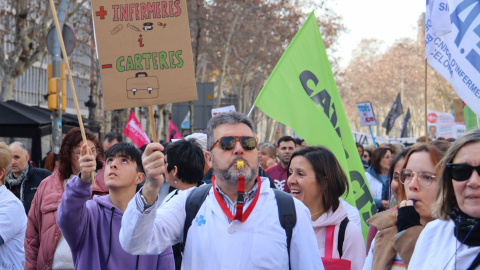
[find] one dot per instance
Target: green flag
(302, 94)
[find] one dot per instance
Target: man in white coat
(219, 237)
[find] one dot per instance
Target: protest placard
(367, 116)
(145, 52)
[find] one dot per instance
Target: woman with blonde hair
(453, 240)
(267, 156)
(13, 220)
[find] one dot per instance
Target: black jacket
(34, 177)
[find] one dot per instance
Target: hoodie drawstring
(138, 259)
(110, 241)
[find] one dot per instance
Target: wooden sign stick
(72, 86)
(152, 123)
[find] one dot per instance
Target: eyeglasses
(461, 172)
(396, 175)
(228, 143)
(77, 153)
(425, 179)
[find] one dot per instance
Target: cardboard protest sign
(367, 116)
(145, 52)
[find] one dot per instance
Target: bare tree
(23, 42)
(378, 77)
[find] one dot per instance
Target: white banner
(366, 139)
(451, 46)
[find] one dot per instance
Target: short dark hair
(128, 150)
(188, 157)
(328, 173)
(299, 141)
(286, 139)
(112, 135)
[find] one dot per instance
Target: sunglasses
(461, 172)
(228, 143)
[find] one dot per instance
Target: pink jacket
(43, 234)
(353, 244)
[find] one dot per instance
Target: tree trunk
(8, 83)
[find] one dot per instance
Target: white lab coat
(215, 243)
(435, 248)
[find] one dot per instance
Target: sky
(385, 20)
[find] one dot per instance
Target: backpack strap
(287, 216)
(341, 235)
(194, 201)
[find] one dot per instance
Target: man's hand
(87, 162)
(153, 162)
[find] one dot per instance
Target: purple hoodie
(92, 227)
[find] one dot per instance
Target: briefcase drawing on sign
(142, 87)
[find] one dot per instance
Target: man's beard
(284, 160)
(230, 176)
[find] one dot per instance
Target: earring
(175, 181)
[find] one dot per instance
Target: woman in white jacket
(453, 240)
(316, 178)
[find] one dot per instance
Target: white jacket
(215, 243)
(435, 248)
(353, 244)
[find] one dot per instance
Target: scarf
(465, 225)
(13, 182)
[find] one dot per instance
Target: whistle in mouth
(413, 200)
(239, 164)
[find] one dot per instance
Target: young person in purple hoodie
(91, 227)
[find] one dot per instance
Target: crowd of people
(221, 200)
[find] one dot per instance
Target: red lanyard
(240, 216)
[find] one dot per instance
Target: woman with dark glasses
(453, 241)
(399, 229)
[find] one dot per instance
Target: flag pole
(152, 123)
(72, 86)
(426, 124)
(251, 110)
(373, 138)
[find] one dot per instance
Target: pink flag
(134, 131)
(173, 132)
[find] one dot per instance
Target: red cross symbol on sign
(101, 13)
